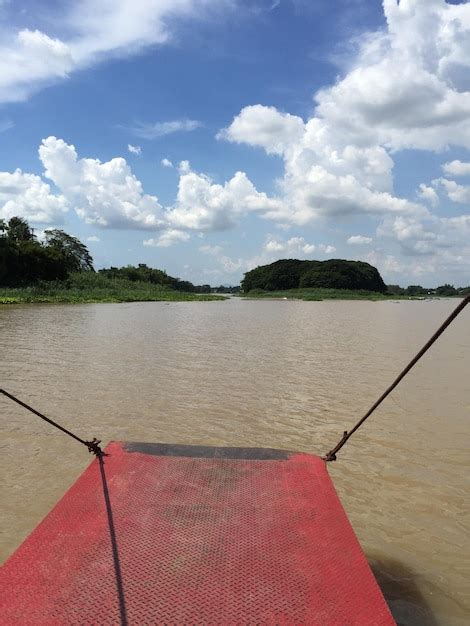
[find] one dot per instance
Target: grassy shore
(92, 288)
(322, 294)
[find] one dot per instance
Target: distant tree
(184, 285)
(73, 252)
(416, 290)
(395, 290)
(8, 256)
(226, 289)
(36, 262)
(446, 290)
(24, 260)
(18, 230)
(282, 274)
(27, 262)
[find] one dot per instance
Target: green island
(333, 279)
(59, 268)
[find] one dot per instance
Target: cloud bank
(406, 87)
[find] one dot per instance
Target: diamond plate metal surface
(257, 539)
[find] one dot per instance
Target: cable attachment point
(94, 447)
(331, 456)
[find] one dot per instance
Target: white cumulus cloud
(293, 246)
(457, 168)
(325, 175)
(166, 163)
(106, 194)
(134, 149)
(440, 239)
(428, 194)
(30, 57)
(27, 195)
(227, 264)
(266, 127)
(455, 192)
(204, 205)
(402, 90)
(109, 195)
(406, 86)
(359, 240)
(168, 238)
(184, 167)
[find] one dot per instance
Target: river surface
(260, 373)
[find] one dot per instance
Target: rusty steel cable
(331, 455)
(93, 446)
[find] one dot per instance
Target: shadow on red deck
(160, 534)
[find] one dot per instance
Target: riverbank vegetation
(94, 287)
(60, 269)
(350, 294)
(317, 294)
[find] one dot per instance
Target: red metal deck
(163, 534)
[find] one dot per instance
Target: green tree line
(25, 260)
(417, 290)
(146, 274)
(60, 257)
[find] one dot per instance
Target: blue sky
(208, 136)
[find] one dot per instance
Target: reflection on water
(253, 373)
(402, 589)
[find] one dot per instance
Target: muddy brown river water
(260, 373)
